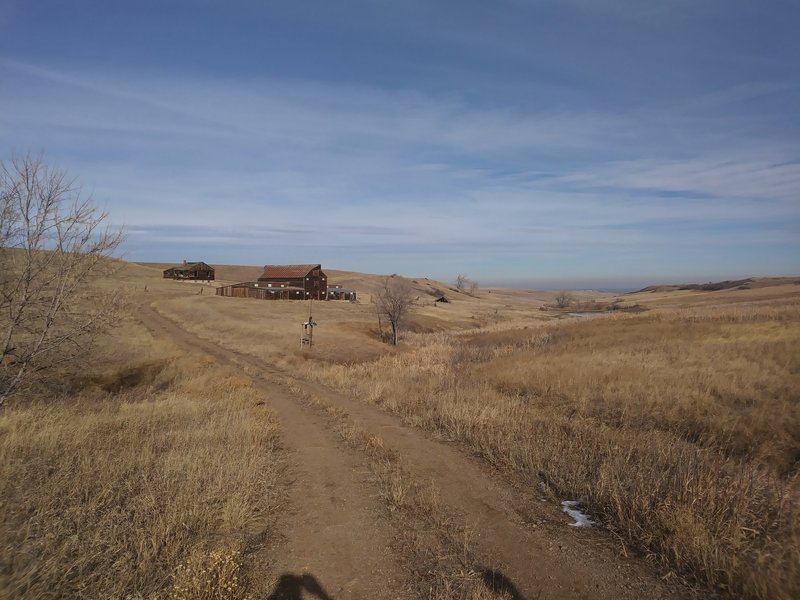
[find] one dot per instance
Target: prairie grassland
(346, 333)
(680, 429)
(131, 487)
(271, 329)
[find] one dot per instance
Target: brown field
(678, 428)
(127, 487)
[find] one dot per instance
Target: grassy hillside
(739, 284)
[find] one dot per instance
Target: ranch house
(195, 271)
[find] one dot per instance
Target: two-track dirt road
(336, 530)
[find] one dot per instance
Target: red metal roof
(287, 271)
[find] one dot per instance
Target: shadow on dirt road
(291, 587)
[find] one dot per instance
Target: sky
(555, 143)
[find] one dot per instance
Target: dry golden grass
(131, 489)
(271, 329)
(346, 333)
(679, 429)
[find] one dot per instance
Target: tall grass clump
(680, 430)
(156, 491)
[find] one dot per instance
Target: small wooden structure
(307, 333)
(337, 292)
(190, 271)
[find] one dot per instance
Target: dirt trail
(338, 536)
(335, 532)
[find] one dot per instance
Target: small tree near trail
(53, 243)
(393, 302)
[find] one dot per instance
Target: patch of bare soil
(336, 533)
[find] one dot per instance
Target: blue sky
(602, 143)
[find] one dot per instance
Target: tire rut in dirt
(334, 535)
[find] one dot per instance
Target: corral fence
(249, 290)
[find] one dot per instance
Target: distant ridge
(741, 284)
(704, 287)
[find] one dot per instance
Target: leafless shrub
(466, 285)
(53, 243)
(564, 299)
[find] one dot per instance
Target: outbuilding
(337, 292)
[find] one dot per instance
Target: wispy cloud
(727, 176)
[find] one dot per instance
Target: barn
(311, 279)
(193, 271)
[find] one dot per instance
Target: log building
(194, 271)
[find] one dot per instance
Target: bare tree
(379, 314)
(393, 302)
(564, 299)
(53, 243)
(466, 285)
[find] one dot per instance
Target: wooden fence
(259, 293)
